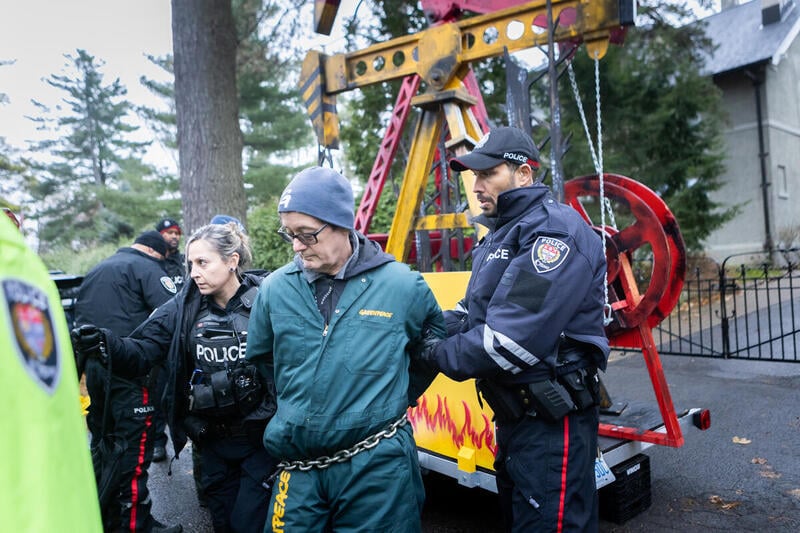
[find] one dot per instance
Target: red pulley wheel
(649, 223)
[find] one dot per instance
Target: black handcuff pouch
(202, 397)
(583, 387)
(550, 400)
(223, 390)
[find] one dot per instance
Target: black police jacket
(164, 337)
(175, 267)
(120, 292)
(537, 278)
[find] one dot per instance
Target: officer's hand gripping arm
(424, 350)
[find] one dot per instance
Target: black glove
(89, 341)
(425, 348)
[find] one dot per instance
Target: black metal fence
(746, 312)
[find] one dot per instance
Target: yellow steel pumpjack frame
(449, 422)
(440, 56)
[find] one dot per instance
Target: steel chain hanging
(344, 455)
(597, 159)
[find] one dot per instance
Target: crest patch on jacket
(548, 254)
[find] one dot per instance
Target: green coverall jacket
(339, 383)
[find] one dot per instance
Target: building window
(783, 183)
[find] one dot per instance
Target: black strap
(107, 399)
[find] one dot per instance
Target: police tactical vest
(219, 341)
(223, 384)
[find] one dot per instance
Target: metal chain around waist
(344, 455)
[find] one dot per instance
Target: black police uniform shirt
(175, 267)
(120, 292)
(537, 274)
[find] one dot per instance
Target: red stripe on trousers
(137, 473)
(564, 463)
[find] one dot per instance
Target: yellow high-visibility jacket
(46, 478)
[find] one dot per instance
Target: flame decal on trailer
(444, 429)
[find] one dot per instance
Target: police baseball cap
(167, 223)
(498, 146)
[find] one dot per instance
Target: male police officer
(46, 476)
(174, 260)
(531, 329)
(119, 293)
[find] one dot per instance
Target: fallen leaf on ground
(758, 461)
(722, 504)
(795, 493)
(770, 474)
(741, 440)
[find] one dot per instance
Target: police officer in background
(119, 293)
(530, 328)
(47, 478)
(174, 260)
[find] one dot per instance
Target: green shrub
(79, 262)
(270, 251)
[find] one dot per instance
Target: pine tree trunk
(207, 108)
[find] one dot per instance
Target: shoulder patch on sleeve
(32, 332)
(169, 284)
(548, 254)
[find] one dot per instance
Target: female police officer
(213, 395)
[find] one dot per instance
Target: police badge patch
(33, 332)
(169, 284)
(548, 254)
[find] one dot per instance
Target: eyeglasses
(308, 239)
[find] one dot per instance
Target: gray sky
(37, 33)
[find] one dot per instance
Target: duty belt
(344, 455)
(550, 399)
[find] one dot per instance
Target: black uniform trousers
(130, 424)
(545, 473)
(235, 469)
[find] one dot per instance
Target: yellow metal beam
(437, 53)
(420, 159)
(447, 221)
(320, 105)
(453, 106)
(324, 15)
(441, 56)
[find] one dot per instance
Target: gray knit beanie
(321, 193)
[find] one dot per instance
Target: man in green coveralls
(47, 477)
